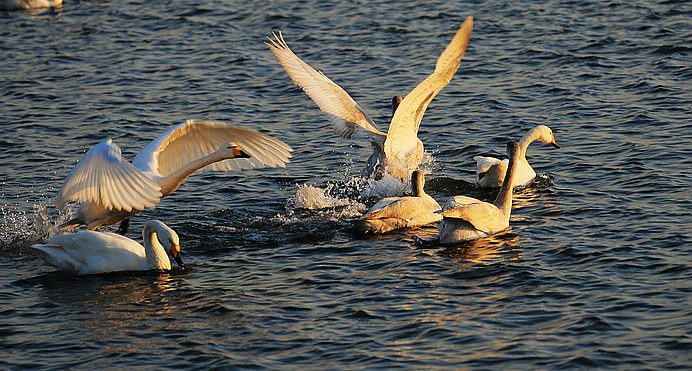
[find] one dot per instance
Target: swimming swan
(466, 218)
(393, 213)
(491, 171)
(91, 252)
(399, 151)
(28, 4)
(115, 189)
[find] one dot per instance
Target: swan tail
(56, 256)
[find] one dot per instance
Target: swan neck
(417, 184)
(504, 198)
(171, 182)
(155, 252)
(526, 140)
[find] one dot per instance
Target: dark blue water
(594, 271)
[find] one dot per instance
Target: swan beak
(175, 251)
(239, 153)
(554, 143)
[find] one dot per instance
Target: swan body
(28, 4)
(490, 172)
(114, 189)
(92, 252)
(466, 218)
(392, 213)
(399, 151)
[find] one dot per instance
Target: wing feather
(484, 216)
(403, 130)
(195, 139)
(348, 119)
(102, 177)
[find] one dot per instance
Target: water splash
(311, 197)
(20, 229)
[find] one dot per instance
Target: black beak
(179, 261)
(244, 154)
(555, 145)
(175, 252)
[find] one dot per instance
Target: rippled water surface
(594, 271)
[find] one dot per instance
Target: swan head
(168, 238)
(234, 150)
(417, 182)
(546, 136)
(396, 100)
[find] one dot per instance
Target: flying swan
(399, 151)
(490, 171)
(92, 252)
(466, 218)
(392, 213)
(114, 189)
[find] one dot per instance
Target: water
(594, 271)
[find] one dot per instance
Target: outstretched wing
(195, 139)
(403, 130)
(345, 115)
(102, 177)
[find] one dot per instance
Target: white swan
(91, 252)
(399, 151)
(28, 4)
(490, 172)
(115, 189)
(392, 213)
(466, 218)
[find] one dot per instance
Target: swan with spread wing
(399, 151)
(114, 189)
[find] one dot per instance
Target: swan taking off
(466, 218)
(490, 172)
(91, 252)
(115, 189)
(398, 152)
(393, 213)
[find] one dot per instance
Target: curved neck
(526, 140)
(171, 182)
(154, 251)
(504, 198)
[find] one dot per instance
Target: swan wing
(103, 177)
(483, 163)
(484, 216)
(490, 171)
(407, 208)
(195, 139)
(403, 130)
(346, 116)
(381, 208)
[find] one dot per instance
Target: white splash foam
(313, 198)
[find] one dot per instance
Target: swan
(399, 151)
(466, 218)
(28, 4)
(392, 213)
(114, 189)
(490, 171)
(92, 252)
